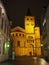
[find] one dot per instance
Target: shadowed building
(26, 41)
(4, 34)
(45, 33)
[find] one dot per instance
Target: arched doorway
(31, 53)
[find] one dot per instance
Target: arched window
(18, 43)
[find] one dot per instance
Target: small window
(27, 18)
(33, 41)
(16, 34)
(30, 41)
(30, 37)
(23, 35)
(13, 34)
(24, 44)
(19, 34)
(31, 19)
(27, 41)
(18, 44)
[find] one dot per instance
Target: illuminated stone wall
(27, 41)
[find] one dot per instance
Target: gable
(18, 29)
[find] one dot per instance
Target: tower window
(18, 44)
(27, 18)
(31, 19)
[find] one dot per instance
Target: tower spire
(28, 12)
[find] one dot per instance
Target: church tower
(30, 31)
(29, 22)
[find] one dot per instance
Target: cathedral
(26, 41)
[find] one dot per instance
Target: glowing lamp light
(41, 45)
(7, 44)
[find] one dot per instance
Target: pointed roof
(28, 12)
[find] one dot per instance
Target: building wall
(45, 32)
(4, 33)
(30, 44)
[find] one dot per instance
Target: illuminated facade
(26, 42)
(4, 34)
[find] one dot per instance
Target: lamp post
(42, 50)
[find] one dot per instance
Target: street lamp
(41, 45)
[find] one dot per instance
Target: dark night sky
(17, 9)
